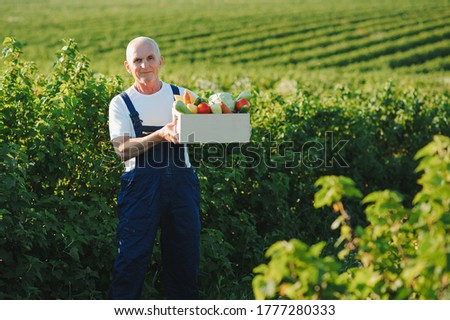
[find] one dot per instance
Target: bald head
(139, 41)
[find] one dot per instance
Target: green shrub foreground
(402, 254)
(59, 180)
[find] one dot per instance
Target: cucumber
(181, 107)
(199, 100)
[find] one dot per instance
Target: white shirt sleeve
(120, 124)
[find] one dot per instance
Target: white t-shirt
(154, 110)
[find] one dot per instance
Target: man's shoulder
(118, 96)
(115, 101)
(174, 87)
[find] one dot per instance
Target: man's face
(143, 63)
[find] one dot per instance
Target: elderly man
(159, 188)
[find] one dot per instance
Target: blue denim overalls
(160, 191)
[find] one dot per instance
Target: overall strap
(175, 90)
(134, 115)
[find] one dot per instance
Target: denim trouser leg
(169, 199)
(180, 238)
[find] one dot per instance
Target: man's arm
(127, 148)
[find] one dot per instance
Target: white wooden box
(214, 128)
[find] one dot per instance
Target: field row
(340, 49)
(261, 31)
(328, 43)
(308, 33)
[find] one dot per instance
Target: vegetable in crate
(242, 105)
(188, 97)
(216, 108)
(203, 107)
(199, 100)
(192, 107)
(181, 107)
(225, 99)
(244, 95)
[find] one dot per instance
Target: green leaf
(333, 189)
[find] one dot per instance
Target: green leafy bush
(57, 227)
(403, 253)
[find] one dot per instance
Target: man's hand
(169, 132)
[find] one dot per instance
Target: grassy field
(200, 36)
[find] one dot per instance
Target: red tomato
(203, 108)
(241, 103)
